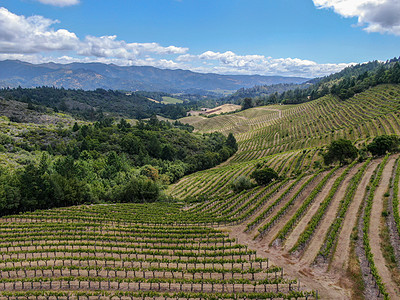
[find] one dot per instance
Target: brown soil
(375, 229)
(341, 256)
(319, 236)
(274, 230)
(327, 284)
(292, 239)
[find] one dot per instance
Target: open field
(170, 100)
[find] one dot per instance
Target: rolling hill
(90, 76)
(310, 221)
(315, 233)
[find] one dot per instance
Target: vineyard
(102, 251)
(326, 232)
(325, 223)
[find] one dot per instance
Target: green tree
(247, 103)
(264, 176)
(341, 150)
(383, 143)
(241, 183)
(231, 142)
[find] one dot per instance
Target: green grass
(170, 100)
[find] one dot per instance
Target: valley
(317, 232)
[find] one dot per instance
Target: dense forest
(106, 161)
(344, 84)
(91, 105)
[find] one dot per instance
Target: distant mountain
(90, 76)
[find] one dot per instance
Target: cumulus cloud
(60, 3)
(19, 34)
(375, 15)
(109, 46)
(34, 39)
(230, 63)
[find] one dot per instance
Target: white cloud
(19, 34)
(35, 40)
(375, 15)
(231, 63)
(109, 46)
(60, 3)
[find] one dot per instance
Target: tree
(247, 103)
(231, 142)
(264, 176)
(383, 143)
(341, 150)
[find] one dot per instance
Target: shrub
(241, 183)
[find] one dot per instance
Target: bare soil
(376, 228)
(326, 283)
(293, 237)
(319, 236)
(341, 255)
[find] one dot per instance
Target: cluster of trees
(108, 162)
(344, 84)
(90, 105)
(262, 176)
(343, 151)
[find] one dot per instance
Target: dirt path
(292, 239)
(325, 283)
(375, 229)
(319, 235)
(341, 256)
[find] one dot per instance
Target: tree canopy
(383, 143)
(264, 176)
(341, 150)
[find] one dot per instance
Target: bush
(241, 183)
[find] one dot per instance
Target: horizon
(291, 38)
(113, 64)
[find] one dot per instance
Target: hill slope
(305, 221)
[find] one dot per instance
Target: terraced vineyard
(325, 225)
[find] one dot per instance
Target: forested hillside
(92, 105)
(106, 161)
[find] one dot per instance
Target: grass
(170, 100)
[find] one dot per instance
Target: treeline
(260, 93)
(91, 105)
(107, 162)
(344, 84)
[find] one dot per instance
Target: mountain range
(90, 76)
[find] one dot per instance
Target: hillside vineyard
(326, 233)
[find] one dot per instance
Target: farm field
(129, 251)
(327, 226)
(319, 232)
(170, 100)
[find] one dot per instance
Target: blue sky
(286, 37)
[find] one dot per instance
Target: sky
(306, 38)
